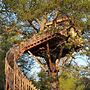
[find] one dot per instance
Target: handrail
(12, 71)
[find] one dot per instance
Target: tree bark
(54, 80)
(53, 72)
(42, 25)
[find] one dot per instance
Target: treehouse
(51, 39)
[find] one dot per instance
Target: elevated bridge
(55, 33)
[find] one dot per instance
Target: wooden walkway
(15, 80)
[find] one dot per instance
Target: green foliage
(77, 9)
(69, 82)
(44, 81)
(30, 9)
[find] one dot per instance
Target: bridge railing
(15, 79)
(21, 81)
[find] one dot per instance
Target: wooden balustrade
(15, 80)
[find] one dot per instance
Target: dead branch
(38, 61)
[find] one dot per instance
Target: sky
(81, 60)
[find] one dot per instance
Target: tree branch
(60, 54)
(38, 61)
(38, 21)
(49, 58)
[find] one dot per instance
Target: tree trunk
(54, 81)
(53, 72)
(42, 25)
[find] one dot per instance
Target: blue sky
(81, 60)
